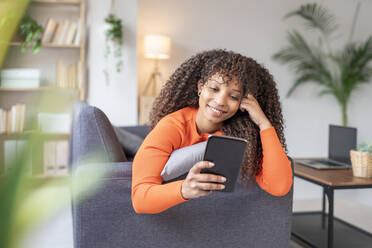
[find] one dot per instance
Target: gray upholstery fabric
(181, 160)
(128, 141)
(92, 137)
(248, 217)
(140, 131)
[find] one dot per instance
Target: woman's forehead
(226, 80)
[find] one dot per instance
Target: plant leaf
(316, 17)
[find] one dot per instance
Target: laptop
(340, 141)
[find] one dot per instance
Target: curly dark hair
(181, 91)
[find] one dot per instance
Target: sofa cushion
(92, 137)
(128, 141)
(181, 160)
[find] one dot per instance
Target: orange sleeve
(276, 175)
(149, 195)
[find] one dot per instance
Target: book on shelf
(12, 121)
(60, 32)
(70, 34)
(2, 120)
(70, 76)
(56, 158)
(62, 154)
(67, 32)
(49, 31)
(77, 38)
(15, 154)
(20, 78)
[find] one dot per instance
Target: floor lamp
(156, 47)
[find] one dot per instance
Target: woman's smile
(216, 112)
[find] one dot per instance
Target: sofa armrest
(92, 137)
(97, 214)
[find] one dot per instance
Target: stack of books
(12, 121)
(54, 122)
(66, 32)
(70, 76)
(56, 158)
(20, 78)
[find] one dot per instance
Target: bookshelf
(58, 2)
(48, 45)
(50, 97)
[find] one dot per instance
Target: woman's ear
(200, 86)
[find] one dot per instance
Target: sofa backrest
(247, 217)
(92, 137)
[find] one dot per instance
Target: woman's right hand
(199, 184)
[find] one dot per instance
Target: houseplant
(30, 31)
(114, 42)
(361, 160)
(337, 72)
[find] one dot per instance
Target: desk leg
(323, 209)
(330, 195)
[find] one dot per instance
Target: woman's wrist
(264, 125)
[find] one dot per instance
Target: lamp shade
(157, 46)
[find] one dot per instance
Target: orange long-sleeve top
(178, 130)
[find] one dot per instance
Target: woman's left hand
(251, 105)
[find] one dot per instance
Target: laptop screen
(341, 141)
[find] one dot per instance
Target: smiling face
(218, 101)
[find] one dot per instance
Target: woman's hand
(199, 184)
(251, 105)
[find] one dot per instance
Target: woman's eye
(213, 89)
(234, 98)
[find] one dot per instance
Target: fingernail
(223, 179)
(222, 186)
(211, 164)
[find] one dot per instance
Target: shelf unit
(33, 97)
(47, 45)
(58, 2)
(41, 135)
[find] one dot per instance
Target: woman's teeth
(215, 110)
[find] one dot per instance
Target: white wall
(119, 98)
(256, 29)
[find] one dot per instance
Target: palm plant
(338, 73)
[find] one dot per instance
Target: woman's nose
(221, 99)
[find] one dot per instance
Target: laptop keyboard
(326, 162)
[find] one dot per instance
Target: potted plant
(114, 42)
(338, 73)
(30, 31)
(361, 160)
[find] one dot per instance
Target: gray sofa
(248, 217)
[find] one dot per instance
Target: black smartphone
(227, 154)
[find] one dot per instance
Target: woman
(214, 92)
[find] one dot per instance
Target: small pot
(361, 163)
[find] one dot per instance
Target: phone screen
(227, 154)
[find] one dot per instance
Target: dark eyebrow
(217, 81)
(223, 83)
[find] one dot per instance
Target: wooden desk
(319, 229)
